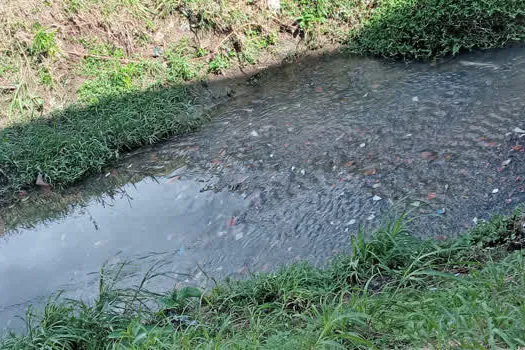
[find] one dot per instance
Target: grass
(81, 140)
(392, 291)
(425, 29)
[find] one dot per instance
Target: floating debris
(494, 191)
(376, 198)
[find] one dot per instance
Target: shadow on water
(80, 141)
(287, 170)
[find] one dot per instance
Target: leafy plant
(180, 66)
(44, 42)
(45, 77)
(218, 64)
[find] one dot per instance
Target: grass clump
(392, 291)
(81, 140)
(44, 42)
(424, 29)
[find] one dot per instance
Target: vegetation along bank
(392, 291)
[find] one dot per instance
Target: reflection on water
(150, 217)
(292, 170)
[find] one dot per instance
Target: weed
(180, 66)
(219, 64)
(109, 77)
(7, 67)
(23, 104)
(44, 43)
(45, 77)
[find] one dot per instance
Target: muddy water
(291, 170)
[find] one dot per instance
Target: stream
(289, 172)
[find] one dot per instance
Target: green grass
(392, 291)
(82, 139)
(44, 42)
(425, 29)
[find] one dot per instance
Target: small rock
(40, 182)
(363, 145)
(494, 191)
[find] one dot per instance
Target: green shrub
(430, 28)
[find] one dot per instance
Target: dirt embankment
(61, 52)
